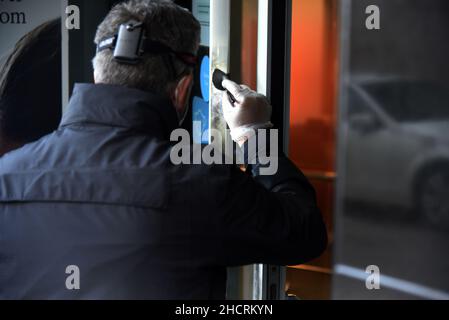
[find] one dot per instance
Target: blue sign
(205, 78)
(200, 111)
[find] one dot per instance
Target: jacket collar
(118, 106)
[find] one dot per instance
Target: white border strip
(262, 47)
(394, 283)
(259, 272)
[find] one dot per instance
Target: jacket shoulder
(23, 158)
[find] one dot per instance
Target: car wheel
(433, 198)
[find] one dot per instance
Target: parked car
(397, 133)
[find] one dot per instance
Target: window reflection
(394, 153)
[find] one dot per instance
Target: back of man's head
(163, 21)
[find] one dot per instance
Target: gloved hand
(250, 112)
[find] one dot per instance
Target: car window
(389, 96)
(358, 105)
(426, 102)
(411, 101)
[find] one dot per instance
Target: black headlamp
(130, 44)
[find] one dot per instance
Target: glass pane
(394, 152)
(313, 126)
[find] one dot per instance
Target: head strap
(130, 44)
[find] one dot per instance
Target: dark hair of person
(30, 86)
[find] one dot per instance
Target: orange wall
(313, 102)
(249, 42)
(313, 73)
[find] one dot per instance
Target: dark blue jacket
(101, 194)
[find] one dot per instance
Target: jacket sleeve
(269, 219)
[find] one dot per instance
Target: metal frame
(344, 62)
(266, 282)
(274, 33)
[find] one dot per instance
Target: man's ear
(181, 94)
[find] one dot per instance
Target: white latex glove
(250, 112)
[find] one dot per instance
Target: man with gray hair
(97, 210)
(157, 73)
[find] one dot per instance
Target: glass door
(392, 208)
(235, 37)
(311, 126)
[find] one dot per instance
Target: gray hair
(164, 21)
